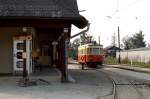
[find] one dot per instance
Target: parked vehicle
(90, 55)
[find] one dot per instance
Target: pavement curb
(131, 69)
(122, 67)
(73, 63)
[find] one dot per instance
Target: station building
(44, 25)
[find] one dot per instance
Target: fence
(142, 56)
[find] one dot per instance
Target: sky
(106, 15)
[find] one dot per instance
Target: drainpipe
(61, 36)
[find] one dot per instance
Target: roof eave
(80, 22)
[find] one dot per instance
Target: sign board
(28, 37)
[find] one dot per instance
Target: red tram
(90, 55)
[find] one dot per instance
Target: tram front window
(93, 51)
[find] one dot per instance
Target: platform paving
(89, 85)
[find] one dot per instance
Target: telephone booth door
(18, 48)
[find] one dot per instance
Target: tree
(76, 43)
(86, 38)
(73, 48)
(138, 40)
(135, 41)
(127, 42)
(148, 44)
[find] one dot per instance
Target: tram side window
(81, 51)
(85, 51)
(101, 50)
(89, 50)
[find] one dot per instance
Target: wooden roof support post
(64, 71)
(54, 53)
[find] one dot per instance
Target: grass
(141, 64)
(113, 61)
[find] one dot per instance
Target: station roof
(61, 9)
(138, 49)
(112, 47)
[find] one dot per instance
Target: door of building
(18, 47)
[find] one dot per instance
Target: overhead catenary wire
(132, 4)
(120, 9)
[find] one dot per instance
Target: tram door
(18, 47)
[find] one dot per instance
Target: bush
(110, 60)
(125, 61)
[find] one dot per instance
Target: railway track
(114, 92)
(124, 87)
(140, 94)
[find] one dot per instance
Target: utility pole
(119, 60)
(99, 40)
